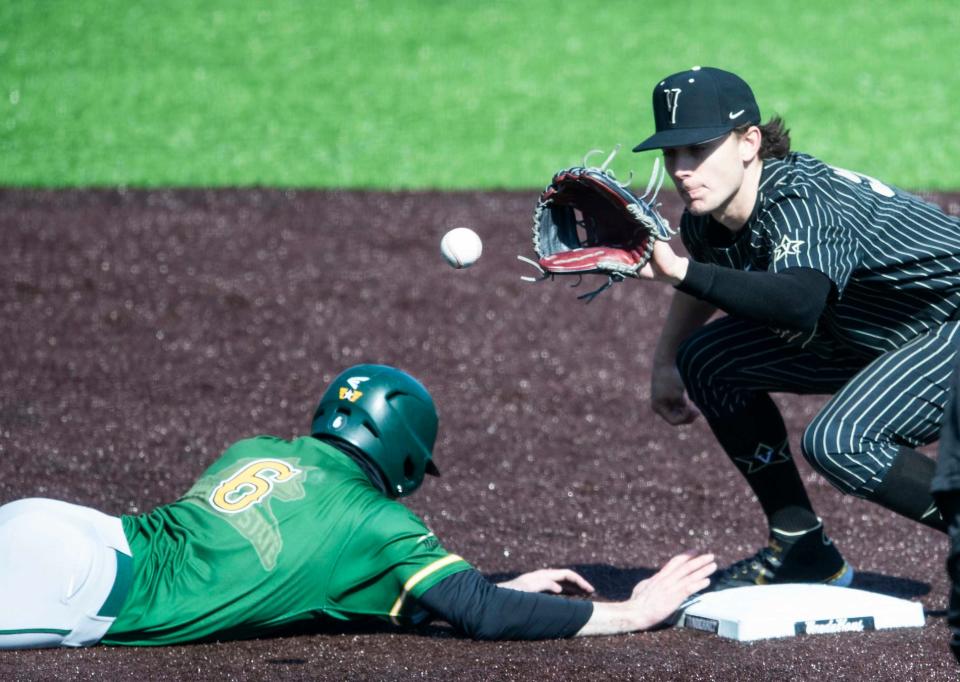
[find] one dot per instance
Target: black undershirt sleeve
(482, 610)
(793, 299)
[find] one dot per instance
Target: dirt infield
(144, 331)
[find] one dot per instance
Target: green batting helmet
(388, 415)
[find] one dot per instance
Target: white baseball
(461, 247)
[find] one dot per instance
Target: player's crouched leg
(64, 573)
(862, 464)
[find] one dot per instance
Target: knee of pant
(811, 448)
(818, 439)
(824, 459)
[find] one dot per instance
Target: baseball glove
(587, 223)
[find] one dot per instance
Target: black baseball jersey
(894, 259)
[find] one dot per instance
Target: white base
(764, 611)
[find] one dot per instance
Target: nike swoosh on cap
(735, 115)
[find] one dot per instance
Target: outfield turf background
(447, 95)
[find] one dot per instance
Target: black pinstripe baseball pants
(880, 404)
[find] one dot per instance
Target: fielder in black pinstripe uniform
(834, 283)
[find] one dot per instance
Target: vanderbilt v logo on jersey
(673, 99)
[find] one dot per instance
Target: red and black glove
(587, 223)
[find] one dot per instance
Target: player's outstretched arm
(516, 609)
(654, 599)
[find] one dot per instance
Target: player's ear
(750, 144)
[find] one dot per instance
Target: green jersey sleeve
(390, 561)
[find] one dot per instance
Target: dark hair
(774, 138)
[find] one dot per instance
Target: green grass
(416, 94)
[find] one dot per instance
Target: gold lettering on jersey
(251, 485)
(350, 394)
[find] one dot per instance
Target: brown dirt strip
(144, 331)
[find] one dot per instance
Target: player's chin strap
(612, 279)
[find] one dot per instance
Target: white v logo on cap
(673, 97)
(735, 115)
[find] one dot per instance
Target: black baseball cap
(698, 105)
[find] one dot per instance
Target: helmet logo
(337, 422)
(350, 394)
(353, 393)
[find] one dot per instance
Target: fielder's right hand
(668, 396)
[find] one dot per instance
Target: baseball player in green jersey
(279, 533)
(832, 283)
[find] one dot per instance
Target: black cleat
(791, 557)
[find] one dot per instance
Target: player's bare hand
(668, 396)
(554, 580)
(664, 265)
(653, 600)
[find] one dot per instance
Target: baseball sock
(755, 439)
(905, 489)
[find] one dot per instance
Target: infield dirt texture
(144, 331)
